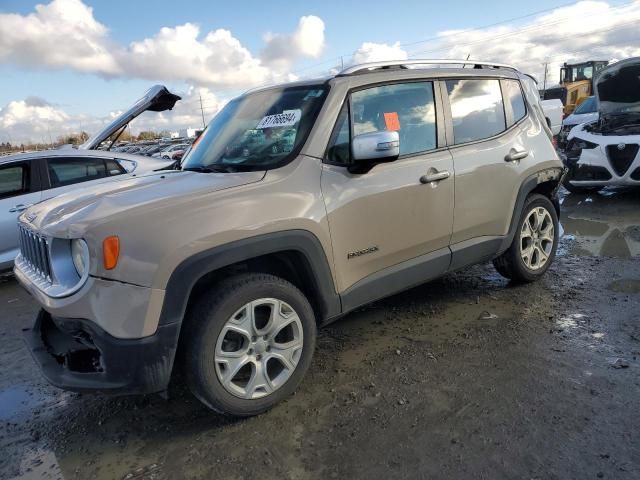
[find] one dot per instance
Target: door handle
(21, 207)
(435, 176)
(515, 155)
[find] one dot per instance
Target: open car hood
(156, 99)
(618, 88)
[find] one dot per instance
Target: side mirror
(376, 147)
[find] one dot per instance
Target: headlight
(80, 256)
(575, 147)
(578, 144)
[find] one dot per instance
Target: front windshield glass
(257, 131)
(588, 106)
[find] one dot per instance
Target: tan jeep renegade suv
(299, 203)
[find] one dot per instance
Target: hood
(70, 215)
(156, 99)
(575, 119)
(618, 88)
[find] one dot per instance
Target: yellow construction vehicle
(576, 83)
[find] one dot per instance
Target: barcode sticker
(288, 118)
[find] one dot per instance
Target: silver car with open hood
(29, 178)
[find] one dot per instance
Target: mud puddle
(465, 377)
(604, 224)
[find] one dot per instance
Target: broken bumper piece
(77, 355)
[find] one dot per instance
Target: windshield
(257, 131)
(588, 106)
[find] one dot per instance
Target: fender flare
(529, 185)
(189, 271)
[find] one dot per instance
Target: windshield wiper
(210, 169)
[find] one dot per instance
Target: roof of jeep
(399, 72)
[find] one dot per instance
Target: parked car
(26, 179)
(236, 259)
(553, 112)
(586, 112)
(153, 149)
(170, 150)
(605, 151)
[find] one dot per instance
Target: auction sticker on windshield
(288, 118)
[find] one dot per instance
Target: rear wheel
(249, 344)
(534, 245)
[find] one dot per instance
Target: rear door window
(477, 109)
(14, 180)
(69, 171)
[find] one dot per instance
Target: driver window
(407, 108)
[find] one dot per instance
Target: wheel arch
(546, 182)
(295, 255)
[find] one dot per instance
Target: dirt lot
(465, 377)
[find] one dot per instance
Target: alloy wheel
(259, 348)
(536, 238)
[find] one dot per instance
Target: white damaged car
(605, 152)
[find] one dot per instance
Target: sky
(67, 65)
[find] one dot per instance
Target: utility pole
(201, 110)
(544, 82)
(341, 63)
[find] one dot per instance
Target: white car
(586, 112)
(168, 152)
(553, 111)
(605, 152)
(30, 178)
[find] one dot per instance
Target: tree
(147, 135)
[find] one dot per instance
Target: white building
(189, 132)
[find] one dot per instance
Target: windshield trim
(293, 154)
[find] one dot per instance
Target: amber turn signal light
(111, 252)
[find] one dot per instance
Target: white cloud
(65, 34)
(377, 52)
(31, 118)
(587, 30)
(60, 34)
(218, 59)
(307, 40)
(35, 119)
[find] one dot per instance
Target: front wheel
(248, 344)
(534, 245)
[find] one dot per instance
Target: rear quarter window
(477, 109)
(513, 96)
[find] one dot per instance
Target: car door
(19, 188)
(489, 140)
(390, 228)
(67, 173)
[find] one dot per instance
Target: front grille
(621, 158)
(34, 249)
(636, 174)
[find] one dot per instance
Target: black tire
(205, 323)
(510, 264)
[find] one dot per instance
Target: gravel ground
(464, 377)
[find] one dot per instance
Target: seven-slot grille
(621, 156)
(35, 252)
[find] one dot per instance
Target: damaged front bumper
(77, 355)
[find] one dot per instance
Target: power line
(520, 31)
(561, 37)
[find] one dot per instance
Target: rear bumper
(77, 355)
